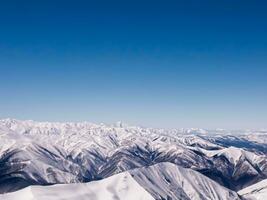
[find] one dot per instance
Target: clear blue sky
(152, 63)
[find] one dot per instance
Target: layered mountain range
(35, 157)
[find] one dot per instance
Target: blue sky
(153, 63)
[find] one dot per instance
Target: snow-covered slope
(118, 187)
(169, 181)
(160, 181)
(257, 191)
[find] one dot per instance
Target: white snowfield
(118, 187)
(258, 191)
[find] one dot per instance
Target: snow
(257, 191)
(118, 187)
(234, 155)
(169, 181)
(76, 152)
(160, 181)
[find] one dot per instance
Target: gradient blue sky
(153, 63)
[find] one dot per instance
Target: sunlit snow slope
(169, 181)
(257, 191)
(118, 187)
(159, 181)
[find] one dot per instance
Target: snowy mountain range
(47, 160)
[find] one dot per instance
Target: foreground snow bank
(257, 191)
(118, 187)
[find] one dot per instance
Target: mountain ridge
(45, 153)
